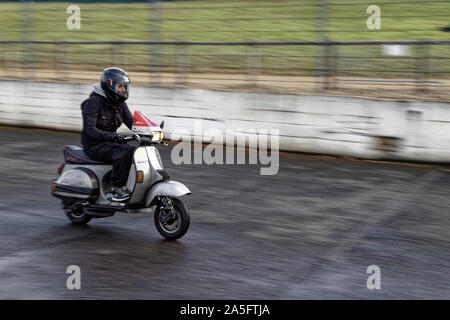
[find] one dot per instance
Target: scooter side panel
(155, 164)
(131, 181)
(141, 163)
(100, 171)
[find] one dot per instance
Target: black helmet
(112, 77)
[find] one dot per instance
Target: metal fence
(269, 45)
(247, 65)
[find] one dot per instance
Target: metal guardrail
(327, 68)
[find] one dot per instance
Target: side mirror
(161, 124)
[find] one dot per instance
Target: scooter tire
(182, 215)
(80, 218)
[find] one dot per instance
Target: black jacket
(101, 119)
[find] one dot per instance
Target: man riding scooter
(93, 182)
(103, 113)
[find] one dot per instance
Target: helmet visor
(122, 87)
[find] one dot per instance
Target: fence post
(27, 24)
(118, 57)
(422, 67)
(113, 55)
(182, 64)
(326, 66)
(253, 64)
(3, 59)
(123, 55)
(155, 51)
(321, 35)
(334, 66)
(60, 62)
(15, 59)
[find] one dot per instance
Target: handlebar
(135, 137)
(129, 138)
(140, 139)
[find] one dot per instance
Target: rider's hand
(120, 139)
(136, 137)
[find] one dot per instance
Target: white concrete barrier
(360, 127)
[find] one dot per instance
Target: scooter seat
(76, 155)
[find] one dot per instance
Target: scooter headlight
(158, 136)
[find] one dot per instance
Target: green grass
(241, 21)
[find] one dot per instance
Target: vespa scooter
(83, 184)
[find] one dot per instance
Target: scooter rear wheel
(177, 226)
(77, 215)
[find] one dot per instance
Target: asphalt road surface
(309, 232)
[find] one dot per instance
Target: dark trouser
(121, 156)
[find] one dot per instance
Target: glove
(119, 139)
(136, 137)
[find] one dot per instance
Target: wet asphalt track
(309, 232)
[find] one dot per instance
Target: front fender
(168, 188)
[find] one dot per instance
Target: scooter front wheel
(174, 224)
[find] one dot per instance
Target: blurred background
(334, 46)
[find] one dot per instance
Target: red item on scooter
(141, 120)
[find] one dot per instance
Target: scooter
(83, 184)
